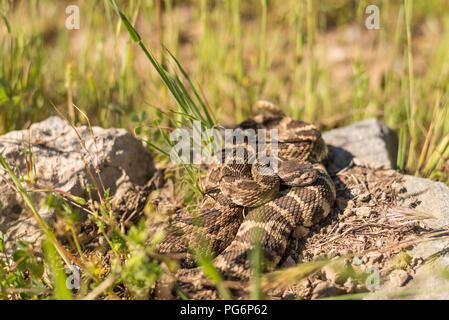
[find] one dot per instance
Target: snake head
(296, 173)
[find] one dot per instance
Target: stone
(350, 284)
(374, 256)
(434, 200)
(335, 273)
(288, 295)
(363, 211)
(398, 277)
(369, 141)
(430, 258)
(60, 163)
(379, 243)
(326, 289)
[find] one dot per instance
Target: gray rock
(60, 163)
(429, 281)
(369, 141)
(434, 200)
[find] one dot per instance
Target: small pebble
(288, 295)
(365, 197)
(375, 257)
(364, 212)
(417, 261)
(379, 166)
(399, 277)
(358, 162)
(347, 213)
(350, 284)
(101, 241)
(356, 261)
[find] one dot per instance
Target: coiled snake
(299, 193)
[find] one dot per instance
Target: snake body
(299, 192)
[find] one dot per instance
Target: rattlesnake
(299, 193)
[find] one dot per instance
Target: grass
(256, 55)
(210, 61)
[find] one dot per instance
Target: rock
(434, 200)
(398, 277)
(374, 257)
(326, 289)
(123, 161)
(370, 141)
(429, 281)
(365, 197)
(433, 197)
(356, 261)
(350, 284)
(288, 295)
(335, 273)
(363, 211)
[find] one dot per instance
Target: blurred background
(315, 59)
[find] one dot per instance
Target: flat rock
(429, 281)
(433, 199)
(370, 141)
(60, 163)
(326, 289)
